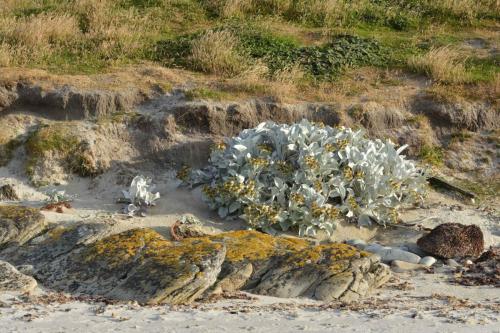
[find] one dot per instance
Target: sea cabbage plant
(140, 195)
(307, 176)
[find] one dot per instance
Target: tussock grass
(215, 52)
(442, 64)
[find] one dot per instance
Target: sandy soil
(411, 302)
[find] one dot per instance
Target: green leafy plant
(306, 176)
(324, 62)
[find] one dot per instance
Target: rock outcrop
(11, 280)
(18, 224)
(453, 240)
(141, 265)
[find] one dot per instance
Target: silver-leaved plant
(307, 176)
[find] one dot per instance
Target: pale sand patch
(414, 302)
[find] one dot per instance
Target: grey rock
(55, 243)
(413, 248)
(397, 254)
(19, 224)
(11, 280)
(26, 269)
(427, 261)
(403, 266)
(375, 248)
(388, 254)
(452, 263)
(444, 269)
(140, 265)
(359, 243)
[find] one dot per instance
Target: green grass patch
(432, 155)
(483, 69)
(323, 62)
(59, 141)
(205, 93)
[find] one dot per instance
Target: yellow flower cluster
(265, 148)
(256, 213)
(393, 215)
(259, 162)
(328, 211)
(359, 174)
(329, 148)
(342, 144)
(318, 186)
(219, 146)
(394, 184)
(298, 198)
(319, 124)
(284, 167)
(210, 192)
(183, 173)
(230, 188)
(348, 174)
(353, 203)
(311, 162)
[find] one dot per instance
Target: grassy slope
(265, 47)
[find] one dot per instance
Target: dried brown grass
(442, 64)
(215, 53)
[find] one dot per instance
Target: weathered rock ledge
(142, 265)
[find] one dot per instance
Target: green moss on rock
(7, 146)
(60, 142)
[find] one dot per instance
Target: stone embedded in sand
(19, 224)
(11, 280)
(453, 240)
(427, 261)
(403, 266)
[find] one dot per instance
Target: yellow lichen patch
(55, 233)
(247, 245)
(142, 244)
(254, 245)
(192, 250)
(335, 253)
(119, 248)
(18, 213)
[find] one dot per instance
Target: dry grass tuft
(215, 53)
(442, 64)
(40, 30)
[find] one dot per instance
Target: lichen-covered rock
(188, 226)
(134, 265)
(292, 267)
(141, 265)
(453, 240)
(19, 224)
(55, 243)
(11, 280)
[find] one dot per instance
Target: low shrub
(306, 176)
